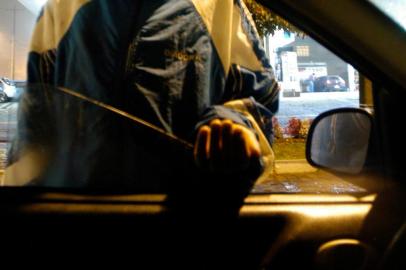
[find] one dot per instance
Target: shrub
(304, 127)
(277, 128)
(293, 127)
(268, 22)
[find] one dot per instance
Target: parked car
(3, 96)
(11, 90)
(329, 83)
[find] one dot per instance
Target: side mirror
(338, 140)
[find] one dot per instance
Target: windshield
(395, 9)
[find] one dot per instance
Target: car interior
(356, 223)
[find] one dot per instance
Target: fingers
(225, 146)
(240, 149)
(215, 145)
(202, 147)
(251, 144)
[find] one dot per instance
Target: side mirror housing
(338, 140)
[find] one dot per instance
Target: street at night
(309, 105)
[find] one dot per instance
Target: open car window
(313, 80)
(63, 140)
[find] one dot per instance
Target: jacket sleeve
(33, 125)
(52, 25)
(41, 58)
(249, 77)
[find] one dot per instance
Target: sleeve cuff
(221, 112)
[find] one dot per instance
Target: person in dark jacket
(175, 64)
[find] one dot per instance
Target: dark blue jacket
(172, 63)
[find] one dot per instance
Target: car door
(349, 223)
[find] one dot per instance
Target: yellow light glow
(334, 211)
(338, 242)
(309, 198)
(314, 211)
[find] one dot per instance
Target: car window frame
(44, 207)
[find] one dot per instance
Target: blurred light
(309, 198)
(327, 212)
(339, 242)
(335, 211)
(40, 2)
